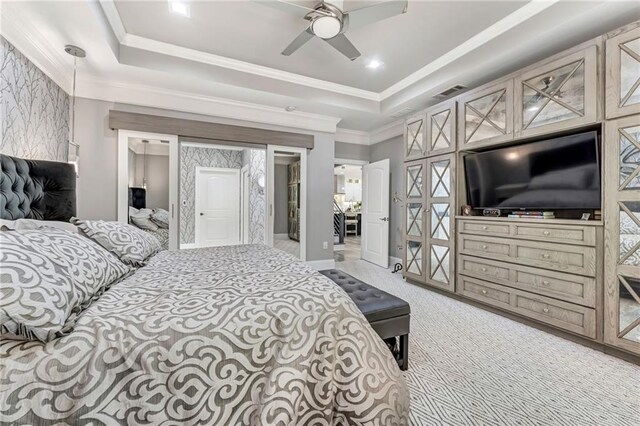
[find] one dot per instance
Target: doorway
(287, 169)
(217, 213)
(347, 209)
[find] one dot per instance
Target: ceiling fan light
(326, 26)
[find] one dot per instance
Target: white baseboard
(338, 247)
(394, 260)
(321, 265)
(187, 246)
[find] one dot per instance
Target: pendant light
(73, 151)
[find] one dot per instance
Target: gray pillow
(142, 220)
(19, 224)
(161, 218)
(47, 277)
(132, 245)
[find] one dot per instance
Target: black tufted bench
(387, 314)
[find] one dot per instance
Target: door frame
(271, 150)
(244, 204)
(200, 169)
(122, 194)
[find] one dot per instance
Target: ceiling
(252, 32)
(349, 171)
(224, 60)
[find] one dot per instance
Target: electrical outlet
(325, 245)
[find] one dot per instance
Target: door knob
(201, 214)
(385, 219)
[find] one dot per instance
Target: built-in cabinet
(414, 137)
(622, 237)
(486, 115)
(579, 277)
(557, 95)
(441, 128)
(293, 221)
(623, 73)
(414, 219)
(440, 236)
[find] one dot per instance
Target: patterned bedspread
(219, 336)
(162, 235)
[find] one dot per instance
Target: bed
(229, 335)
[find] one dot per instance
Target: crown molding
(156, 97)
(353, 136)
(388, 131)
(28, 39)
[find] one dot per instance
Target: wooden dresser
(547, 271)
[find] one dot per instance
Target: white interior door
(217, 207)
(375, 213)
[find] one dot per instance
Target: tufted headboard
(36, 189)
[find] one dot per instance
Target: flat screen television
(553, 174)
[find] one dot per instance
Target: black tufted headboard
(36, 189)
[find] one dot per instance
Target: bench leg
(404, 352)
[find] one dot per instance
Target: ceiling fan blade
(292, 8)
(342, 44)
(304, 37)
(370, 14)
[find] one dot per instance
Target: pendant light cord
(73, 102)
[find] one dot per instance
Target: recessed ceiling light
(374, 64)
(179, 8)
(290, 108)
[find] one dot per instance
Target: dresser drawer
(577, 319)
(484, 246)
(566, 316)
(484, 292)
(558, 257)
(484, 228)
(585, 235)
(567, 287)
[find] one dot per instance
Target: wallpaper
(190, 158)
(35, 111)
(257, 202)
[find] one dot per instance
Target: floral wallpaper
(190, 158)
(35, 111)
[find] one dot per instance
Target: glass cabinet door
(440, 236)
(486, 115)
(623, 74)
(558, 95)
(414, 219)
(441, 128)
(622, 233)
(414, 140)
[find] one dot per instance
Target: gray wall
(351, 151)
(35, 111)
(280, 199)
(157, 170)
(97, 183)
(392, 149)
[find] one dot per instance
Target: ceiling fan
(329, 22)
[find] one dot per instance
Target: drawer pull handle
(546, 232)
(484, 246)
(545, 310)
(484, 228)
(484, 269)
(545, 282)
(484, 291)
(546, 255)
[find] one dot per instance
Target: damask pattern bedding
(218, 336)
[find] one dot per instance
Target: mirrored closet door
(415, 176)
(222, 191)
(622, 225)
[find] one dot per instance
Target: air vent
(403, 112)
(450, 91)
